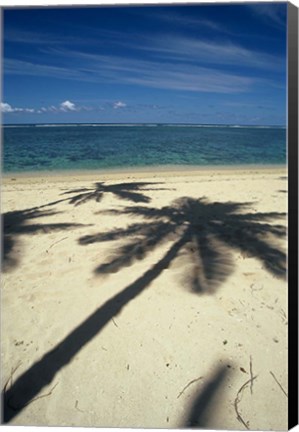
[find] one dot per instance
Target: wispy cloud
(272, 13)
(171, 75)
(162, 60)
(168, 62)
(45, 38)
(119, 104)
(21, 67)
(219, 50)
(187, 21)
(194, 79)
(150, 73)
(205, 52)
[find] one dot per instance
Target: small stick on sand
(189, 383)
(78, 409)
(114, 323)
(58, 241)
(42, 396)
(279, 383)
(32, 400)
(251, 376)
(13, 370)
(10, 380)
(15, 408)
(238, 399)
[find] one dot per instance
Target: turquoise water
(28, 148)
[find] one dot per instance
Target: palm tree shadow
(212, 231)
(189, 224)
(131, 191)
(22, 222)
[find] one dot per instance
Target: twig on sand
(32, 400)
(189, 383)
(78, 409)
(114, 323)
(251, 376)
(7, 401)
(238, 399)
(58, 241)
(279, 383)
(42, 396)
(13, 370)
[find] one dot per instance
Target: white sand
(129, 371)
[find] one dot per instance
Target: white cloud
(6, 108)
(68, 106)
(119, 104)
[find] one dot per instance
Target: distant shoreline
(167, 171)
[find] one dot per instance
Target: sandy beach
(146, 299)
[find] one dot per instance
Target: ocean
(63, 147)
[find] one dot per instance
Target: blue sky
(211, 64)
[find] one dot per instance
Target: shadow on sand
(23, 222)
(17, 223)
(32, 381)
(196, 228)
(204, 400)
(133, 192)
(209, 233)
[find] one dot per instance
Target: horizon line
(143, 123)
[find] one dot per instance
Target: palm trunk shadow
(32, 381)
(198, 414)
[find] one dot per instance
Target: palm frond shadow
(211, 231)
(18, 223)
(134, 192)
(15, 223)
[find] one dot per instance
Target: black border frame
(293, 213)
